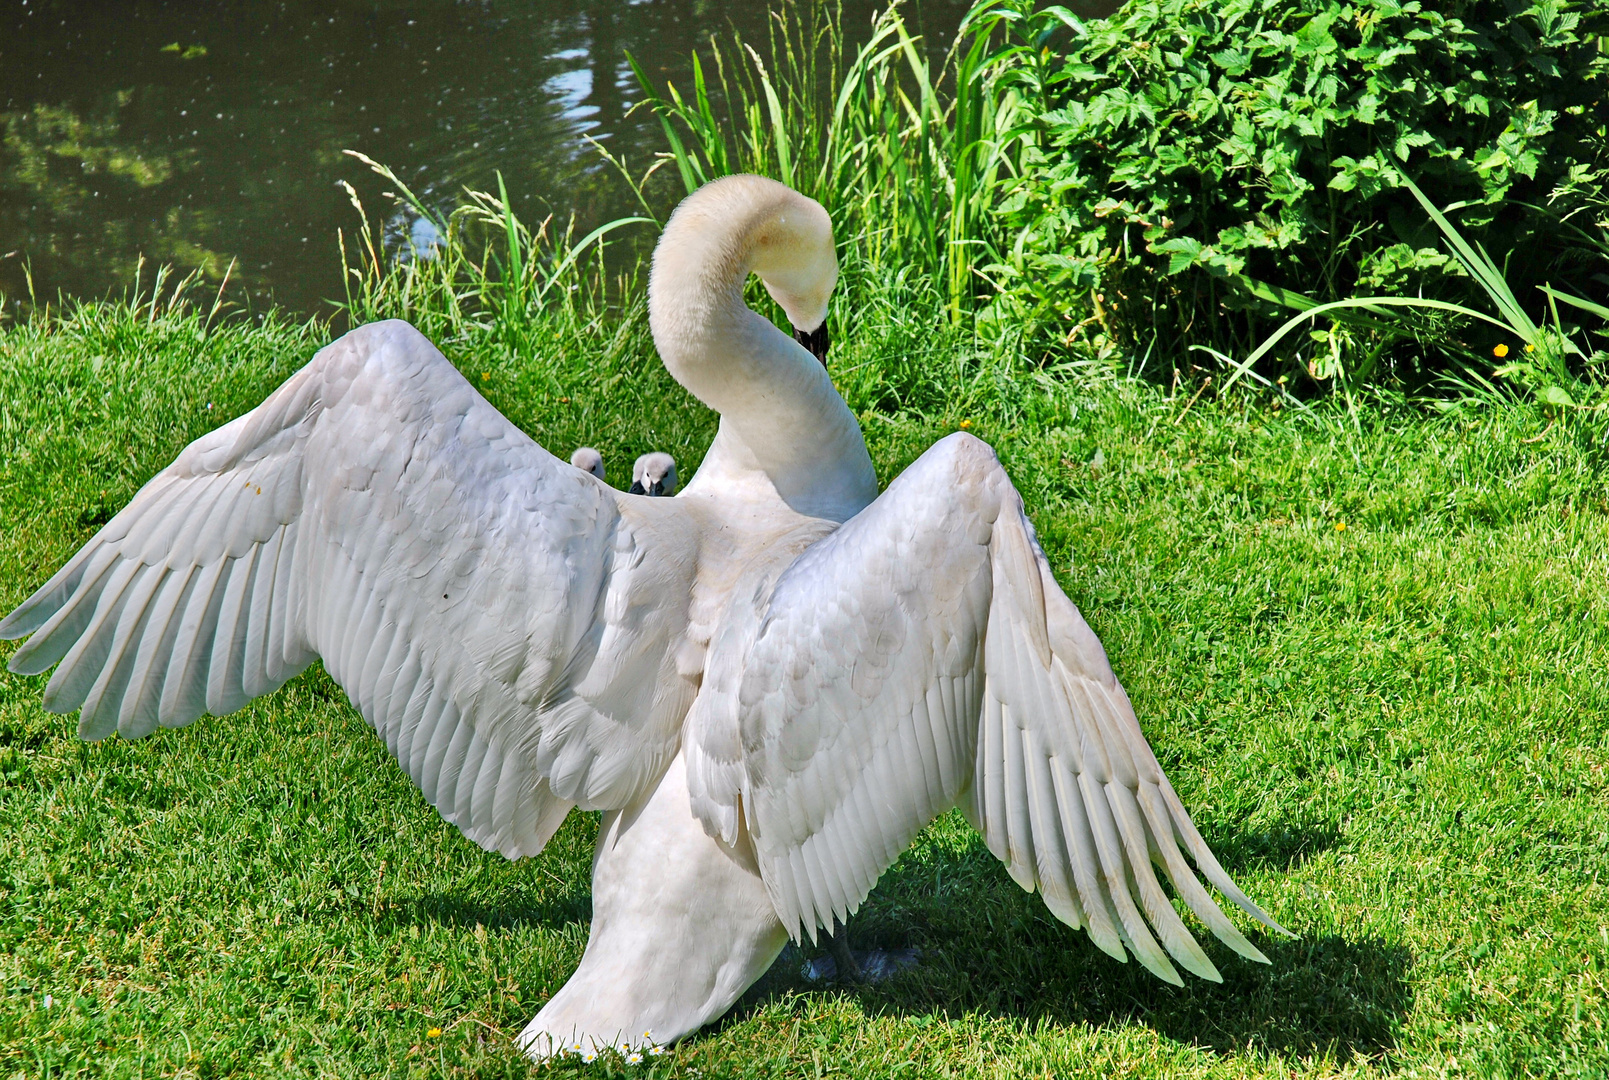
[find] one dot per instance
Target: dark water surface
(194, 133)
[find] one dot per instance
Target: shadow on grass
(552, 891)
(1240, 851)
(1323, 996)
(991, 949)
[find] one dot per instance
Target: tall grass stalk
(909, 158)
(486, 270)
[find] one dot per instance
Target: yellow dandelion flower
(965, 424)
(1530, 348)
(1340, 526)
(486, 376)
(434, 1033)
(1500, 351)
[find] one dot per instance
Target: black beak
(814, 340)
(655, 487)
(636, 488)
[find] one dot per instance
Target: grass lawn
(1369, 650)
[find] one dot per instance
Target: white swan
(654, 474)
(770, 682)
(589, 460)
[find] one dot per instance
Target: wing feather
(102, 704)
(184, 693)
(356, 612)
(79, 669)
(1019, 833)
(923, 747)
(225, 692)
(422, 768)
(440, 766)
(395, 686)
(71, 593)
(55, 630)
(404, 688)
(1050, 862)
(469, 779)
(1169, 927)
(1115, 870)
(260, 664)
(164, 526)
(1183, 879)
(991, 767)
(1206, 861)
(1100, 918)
(360, 659)
(380, 667)
(142, 701)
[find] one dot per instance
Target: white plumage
(772, 682)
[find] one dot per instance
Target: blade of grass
(1479, 266)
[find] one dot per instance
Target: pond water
(199, 133)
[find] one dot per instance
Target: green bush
(1201, 165)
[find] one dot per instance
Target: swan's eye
(814, 340)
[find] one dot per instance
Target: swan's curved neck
(780, 415)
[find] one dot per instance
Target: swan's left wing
(505, 621)
(920, 656)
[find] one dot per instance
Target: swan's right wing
(496, 614)
(923, 655)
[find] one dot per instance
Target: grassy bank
(1367, 647)
(1366, 639)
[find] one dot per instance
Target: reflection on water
(197, 133)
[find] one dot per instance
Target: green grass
(1393, 734)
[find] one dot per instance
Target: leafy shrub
(1200, 164)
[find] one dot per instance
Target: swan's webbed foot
(842, 964)
(848, 970)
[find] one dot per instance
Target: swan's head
(739, 225)
(795, 258)
(588, 460)
(654, 474)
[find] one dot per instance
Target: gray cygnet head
(654, 474)
(588, 460)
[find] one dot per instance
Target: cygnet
(654, 474)
(588, 460)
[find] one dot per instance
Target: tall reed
(908, 157)
(484, 272)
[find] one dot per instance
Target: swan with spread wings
(770, 682)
